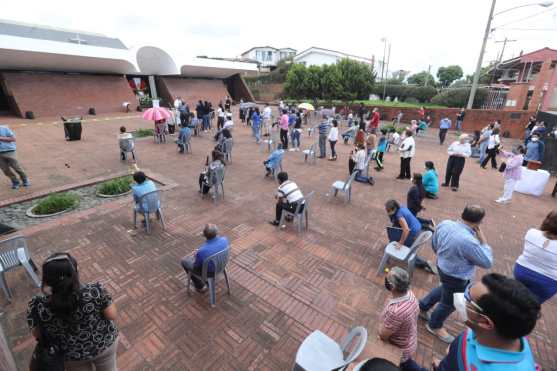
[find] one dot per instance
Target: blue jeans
(322, 145)
(206, 122)
(541, 286)
(295, 138)
(256, 132)
(443, 297)
(458, 125)
(483, 150)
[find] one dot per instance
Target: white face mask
(535, 139)
(459, 303)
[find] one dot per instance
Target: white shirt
(220, 112)
(177, 103)
(407, 147)
(459, 149)
(395, 138)
(267, 112)
(539, 254)
(333, 134)
(493, 141)
(360, 159)
(290, 190)
(227, 124)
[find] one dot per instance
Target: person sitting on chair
(183, 137)
(121, 137)
(194, 263)
(204, 177)
(288, 196)
(273, 160)
(142, 187)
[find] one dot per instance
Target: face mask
(388, 285)
(459, 303)
(535, 139)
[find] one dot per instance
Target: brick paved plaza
(284, 285)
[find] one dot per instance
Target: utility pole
(500, 59)
(386, 73)
(428, 73)
(383, 61)
(480, 58)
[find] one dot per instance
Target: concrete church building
(52, 72)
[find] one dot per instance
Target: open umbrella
(156, 114)
(306, 106)
(247, 105)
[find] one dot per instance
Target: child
(381, 148)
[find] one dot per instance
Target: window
(269, 56)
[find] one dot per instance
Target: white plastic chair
(344, 187)
(404, 254)
(13, 253)
(227, 144)
(318, 352)
(310, 154)
(149, 203)
(216, 180)
(127, 146)
(300, 216)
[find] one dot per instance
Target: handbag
(502, 167)
(47, 355)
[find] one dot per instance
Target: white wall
(317, 59)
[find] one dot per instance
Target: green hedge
(140, 133)
(116, 186)
(422, 94)
(457, 98)
(55, 203)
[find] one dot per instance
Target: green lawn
(380, 103)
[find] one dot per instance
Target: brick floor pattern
(284, 285)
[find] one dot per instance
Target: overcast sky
(422, 33)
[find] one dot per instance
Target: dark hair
(379, 364)
(417, 179)
(122, 129)
(510, 305)
(429, 165)
(60, 273)
(473, 214)
(520, 149)
(408, 132)
(282, 176)
(549, 224)
(210, 231)
(392, 205)
(139, 177)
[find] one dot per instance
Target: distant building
(531, 80)
(267, 56)
(318, 57)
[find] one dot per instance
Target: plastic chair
(13, 253)
(149, 203)
(310, 154)
(300, 217)
(127, 146)
(228, 143)
(216, 180)
(318, 352)
(184, 145)
(344, 187)
(159, 135)
(404, 254)
(219, 262)
(271, 142)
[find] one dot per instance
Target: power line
(527, 17)
(529, 29)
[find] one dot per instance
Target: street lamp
(474, 88)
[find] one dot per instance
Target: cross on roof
(78, 40)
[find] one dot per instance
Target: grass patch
(378, 103)
(115, 186)
(55, 203)
(141, 133)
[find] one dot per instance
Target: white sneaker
(291, 149)
(502, 201)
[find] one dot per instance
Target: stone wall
(239, 89)
(58, 94)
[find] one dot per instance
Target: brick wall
(57, 94)
(192, 90)
(518, 93)
(239, 89)
(476, 119)
(269, 92)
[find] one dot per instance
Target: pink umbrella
(156, 114)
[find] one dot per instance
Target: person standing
(444, 126)
(407, 150)
(256, 124)
(493, 144)
(513, 173)
(460, 119)
(220, 116)
(458, 152)
(374, 122)
(484, 139)
(333, 138)
(267, 117)
(283, 125)
(460, 247)
(296, 133)
(227, 104)
(535, 149)
(8, 159)
(323, 131)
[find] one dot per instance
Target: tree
(421, 78)
(399, 76)
(447, 75)
(312, 82)
(485, 75)
(356, 79)
(330, 82)
(457, 98)
(295, 81)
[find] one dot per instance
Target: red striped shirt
(401, 316)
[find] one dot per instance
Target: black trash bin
(72, 128)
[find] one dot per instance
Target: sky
(421, 33)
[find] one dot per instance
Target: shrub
(389, 127)
(140, 133)
(411, 100)
(456, 98)
(116, 186)
(55, 203)
(145, 101)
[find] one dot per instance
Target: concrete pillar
(152, 86)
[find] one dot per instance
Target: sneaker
(15, 184)
(424, 315)
(274, 222)
(454, 189)
(26, 183)
(502, 201)
(444, 185)
(448, 339)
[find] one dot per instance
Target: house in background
(318, 57)
(267, 56)
(531, 80)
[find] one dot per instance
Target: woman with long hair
(415, 195)
(78, 318)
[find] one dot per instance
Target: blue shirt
(413, 223)
(6, 146)
(139, 190)
(323, 128)
(534, 151)
(430, 181)
(185, 133)
(255, 119)
(445, 123)
(465, 348)
(209, 248)
(382, 145)
(459, 251)
(274, 158)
